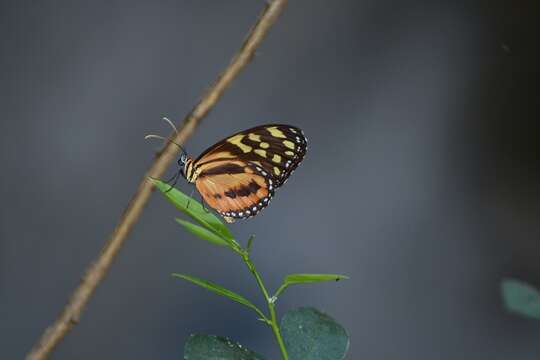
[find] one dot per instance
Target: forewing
(278, 149)
(235, 189)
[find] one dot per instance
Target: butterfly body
(238, 175)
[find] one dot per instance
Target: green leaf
(208, 347)
(250, 243)
(521, 298)
(203, 233)
(220, 290)
(311, 335)
(293, 279)
(312, 278)
(194, 210)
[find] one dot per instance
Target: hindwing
(235, 189)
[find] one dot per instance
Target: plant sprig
(331, 339)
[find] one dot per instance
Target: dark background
(422, 181)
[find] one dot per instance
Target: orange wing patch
(236, 190)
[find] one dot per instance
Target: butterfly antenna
(171, 123)
(153, 136)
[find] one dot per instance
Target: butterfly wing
(238, 175)
(235, 189)
(276, 148)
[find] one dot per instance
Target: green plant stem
(272, 322)
(275, 329)
(280, 290)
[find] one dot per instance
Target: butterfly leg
(171, 179)
(190, 196)
(174, 179)
(204, 207)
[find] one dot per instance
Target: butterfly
(238, 176)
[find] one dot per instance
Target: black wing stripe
(255, 208)
(227, 168)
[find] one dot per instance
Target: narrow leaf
(203, 233)
(220, 290)
(293, 279)
(311, 335)
(250, 243)
(521, 298)
(312, 278)
(208, 347)
(193, 209)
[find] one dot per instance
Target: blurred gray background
(421, 182)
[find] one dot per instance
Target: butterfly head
(186, 167)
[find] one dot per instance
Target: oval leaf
(208, 347)
(194, 210)
(521, 298)
(203, 233)
(220, 290)
(311, 335)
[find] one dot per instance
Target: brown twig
(72, 311)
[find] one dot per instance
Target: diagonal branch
(98, 269)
